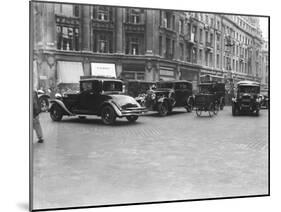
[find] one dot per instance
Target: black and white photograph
(136, 105)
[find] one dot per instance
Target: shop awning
(69, 72)
(103, 69)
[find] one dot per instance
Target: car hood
(124, 101)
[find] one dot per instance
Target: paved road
(83, 162)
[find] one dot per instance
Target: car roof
(100, 79)
(174, 81)
(248, 83)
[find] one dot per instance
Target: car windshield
(165, 85)
(112, 86)
(207, 89)
(248, 89)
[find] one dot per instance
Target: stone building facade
(70, 40)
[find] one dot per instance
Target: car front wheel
(132, 118)
(108, 115)
(56, 113)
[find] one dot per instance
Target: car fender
(61, 105)
(43, 96)
(113, 105)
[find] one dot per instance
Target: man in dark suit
(36, 122)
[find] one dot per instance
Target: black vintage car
(247, 98)
(97, 96)
(167, 95)
(207, 100)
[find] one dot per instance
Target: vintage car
(207, 99)
(247, 98)
(97, 96)
(167, 95)
(43, 100)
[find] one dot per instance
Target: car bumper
(133, 112)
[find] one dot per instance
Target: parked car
(44, 99)
(207, 100)
(167, 95)
(97, 96)
(247, 99)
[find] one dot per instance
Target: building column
(85, 32)
(149, 32)
(50, 26)
(119, 30)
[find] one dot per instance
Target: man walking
(36, 122)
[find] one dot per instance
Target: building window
(200, 55)
(206, 58)
(181, 26)
(211, 59)
(133, 15)
(168, 20)
(211, 39)
(67, 38)
(133, 45)
(102, 13)
(181, 51)
(218, 60)
(103, 43)
(194, 55)
(218, 25)
(160, 45)
(207, 19)
(206, 37)
(201, 36)
(212, 22)
(67, 10)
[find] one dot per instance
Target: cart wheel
(198, 112)
(211, 109)
(217, 108)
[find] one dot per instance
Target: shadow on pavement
(98, 121)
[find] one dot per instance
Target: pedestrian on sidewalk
(36, 122)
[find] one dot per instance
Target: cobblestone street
(83, 162)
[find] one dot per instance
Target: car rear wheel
(56, 113)
(163, 109)
(132, 118)
(108, 115)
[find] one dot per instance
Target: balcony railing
(209, 45)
